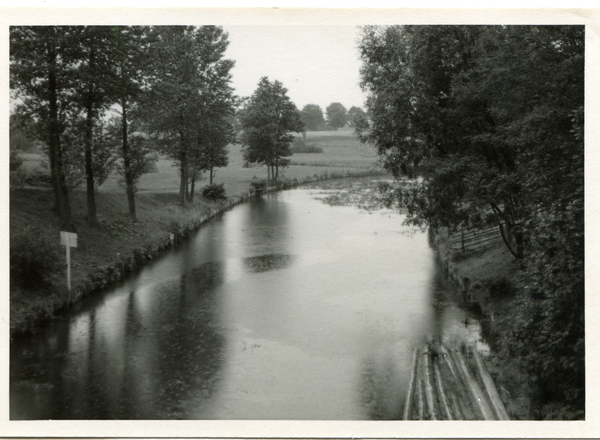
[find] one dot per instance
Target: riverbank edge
(108, 275)
(517, 388)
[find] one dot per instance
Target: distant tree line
(168, 85)
(490, 119)
(336, 116)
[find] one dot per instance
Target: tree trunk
(58, 176)
(89, 172)
(129, 186)
(193, 184)
(183, 179)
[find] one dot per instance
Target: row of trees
(169, 87)
(491, 120)
(337, 116)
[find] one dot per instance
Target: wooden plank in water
(490, 388)
(411, 386)
(477, 393)
(428, 387)
(462, 392)
(420, 390)
(440, 390)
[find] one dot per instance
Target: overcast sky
(317, 64)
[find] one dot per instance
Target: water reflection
(283, 308)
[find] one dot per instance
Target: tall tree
(190, 77)
(356, 117)
(312, 117)
(133, 71)
(94, 74)
(217, 132)
(42, 59)
(491, 118)
(336, 115)
(268, 120)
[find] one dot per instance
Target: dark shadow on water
(154, 361)
(265, 263)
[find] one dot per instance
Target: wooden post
(68, 239)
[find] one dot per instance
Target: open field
(340, 149)
(342, 152)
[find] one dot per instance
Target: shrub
(299, 146)
(18, 178)
(214, 192)
(306, 149)
(38, 177)
(15, 161)
(259, 186)
(501, 288)
(34, 255)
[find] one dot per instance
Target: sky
(317, 64)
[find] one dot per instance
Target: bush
(34, 255)
(501, 288)
(38, 177)
(259, 186)
(299, 146)
(214, 192)
(15, 161)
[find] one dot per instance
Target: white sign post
(68, 239)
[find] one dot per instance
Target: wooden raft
(444, 386)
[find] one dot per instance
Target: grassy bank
(118, 245)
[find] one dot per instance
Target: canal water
(284, 307)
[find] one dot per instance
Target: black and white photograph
(316, 223)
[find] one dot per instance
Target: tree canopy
(312, 117)
(356, 116)
(170, 82)
(189, 92)
(491, 118)
(336, 115)
(42, 60)
(268, 121)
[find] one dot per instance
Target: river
(284, 307)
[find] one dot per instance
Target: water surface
(282, 308)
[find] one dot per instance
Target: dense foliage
(169, 83)
(490, 120)
(190, 99)
(268, 120)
